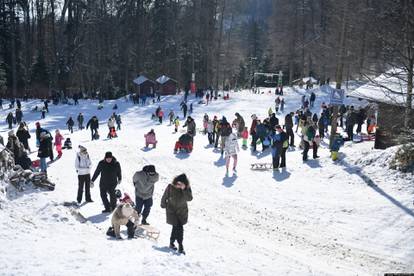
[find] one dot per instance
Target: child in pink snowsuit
(150, 139)
(58, 142)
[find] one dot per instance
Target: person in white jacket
(231, 149)
(83, 166)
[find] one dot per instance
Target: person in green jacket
(174, 201)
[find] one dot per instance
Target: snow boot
(172, 246)
(144, 222)
(131, 229)
(181, 249)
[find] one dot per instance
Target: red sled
(180, 147)
(36, 163)
(112, 133)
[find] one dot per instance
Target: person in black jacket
(19, 115)
(44, 150)
(274, 121)
(94, 124)
(70, 123)
(279, 147)
(10, 119)
(39, 130)
(289, 128)
(23, 135)
(110, 171)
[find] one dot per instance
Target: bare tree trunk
(409, 41)
(339, 68)
(219, 44)
(13, 48)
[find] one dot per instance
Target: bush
(404, 159)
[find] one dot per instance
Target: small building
(166, 85)
(145, 86)
(389, 92)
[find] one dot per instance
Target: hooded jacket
(175, 202)
(83, 163)
(144, 184)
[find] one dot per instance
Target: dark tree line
(89, 46)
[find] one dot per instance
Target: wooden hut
(166, 85)
(389, 93)
(145, 86)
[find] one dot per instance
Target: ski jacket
(144, 184)
(175, 202)
(110, 173)
(58, 139)
(93, 123)
(83, 163)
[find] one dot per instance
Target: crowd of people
(223, 135)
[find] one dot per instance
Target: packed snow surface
(352, 217)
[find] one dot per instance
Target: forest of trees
(87, 45)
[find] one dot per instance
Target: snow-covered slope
(353, 217)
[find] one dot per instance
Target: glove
(119, 181)
(92, 184)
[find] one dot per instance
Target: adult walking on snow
(111, 127)
(10, 120)
(39, 130)
(24, 135)
(70, 123)
(93, 123)
(279, 146)
(44, 150)
(231, 149)
(239, 124)
(83, 166)
(184, 109)
(289, 128)
(225, 131)
(174, 200)
(253, 132)
(312, 99)
(144, 181)
(110, 171)
(80, 120)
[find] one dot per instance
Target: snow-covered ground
(352, 217)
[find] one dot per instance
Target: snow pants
(111, 204)
(84, 181)
(177, 234)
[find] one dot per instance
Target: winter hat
(254, 117)
(82, 148)
(11, 133)
(108, 154)
(181, 178)
(150, 169)
(278, 127)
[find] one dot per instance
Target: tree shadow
(351, 169)
(228, 181)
